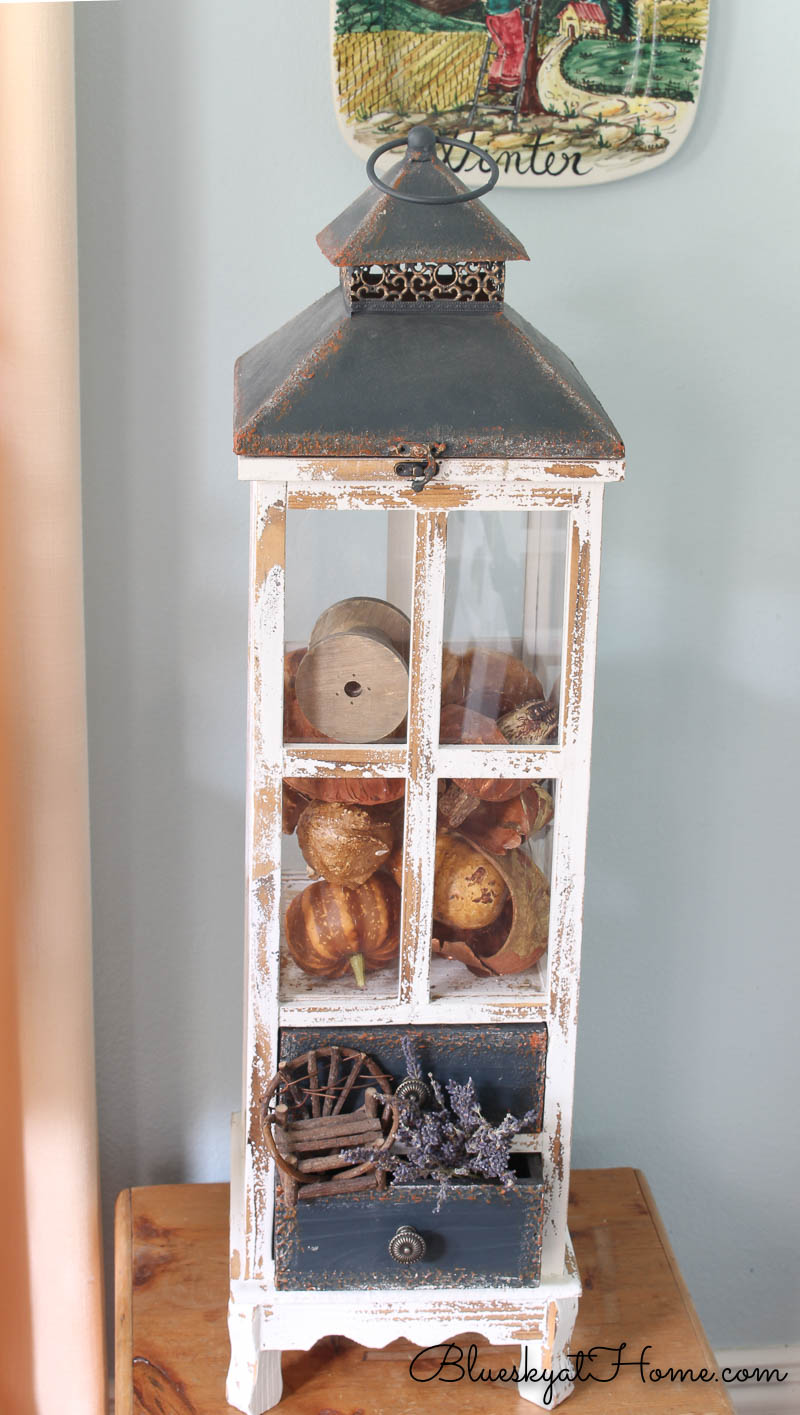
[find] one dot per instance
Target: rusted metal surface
(377, 228)
(331, 385)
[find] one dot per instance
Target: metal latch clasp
(423, 463)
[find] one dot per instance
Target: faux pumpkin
(505, 825)
(330, 929)
(345, 844)
(468, 891)
(296, 726)
(491, 683)
(358, 790)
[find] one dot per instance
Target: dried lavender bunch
(413, 1067)
(450, 1141)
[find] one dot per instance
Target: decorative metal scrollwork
(420, 282)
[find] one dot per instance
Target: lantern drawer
(480, 1236)
(506, 1063)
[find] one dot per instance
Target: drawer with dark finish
(507, 1063)
(481, 1236)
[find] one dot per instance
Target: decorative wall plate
(558, 91)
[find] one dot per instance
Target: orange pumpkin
(330, 929)
(357, 790)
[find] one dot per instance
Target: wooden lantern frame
(264, 1322)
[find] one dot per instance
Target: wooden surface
(172, 1342)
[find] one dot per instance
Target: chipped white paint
(356, 760)
(439, 495)
(460, 760)
(569, 850)
(485, 473)
(425, 690)
(552, 1356)
(263, 847)
(501, 761)
(255, 1381)
(262, 1321)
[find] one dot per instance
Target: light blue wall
(209, 157)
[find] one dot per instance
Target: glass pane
(341, 887)
(492, 897)
(503, 631)
(503, 626)
(348, 597)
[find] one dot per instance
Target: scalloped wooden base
(259, 1333)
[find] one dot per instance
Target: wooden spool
(352, 684)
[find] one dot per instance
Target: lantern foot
(254, 1383)
(545, 1365)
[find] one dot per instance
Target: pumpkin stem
(359, 969)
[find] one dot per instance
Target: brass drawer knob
(413, 1088)
(407, 1246)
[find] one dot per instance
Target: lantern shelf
(426, 495)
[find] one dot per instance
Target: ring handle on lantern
(422, 140)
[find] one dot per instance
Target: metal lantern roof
(452, 365)
(379, 227)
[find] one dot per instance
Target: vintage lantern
(426, 476)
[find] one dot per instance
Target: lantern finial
(421, 142)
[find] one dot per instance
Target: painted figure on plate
(556, 90)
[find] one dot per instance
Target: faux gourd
(345, 844)
(468, 891)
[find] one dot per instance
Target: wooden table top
(172, 1341)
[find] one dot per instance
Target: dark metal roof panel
(378, 229)
(329, 385)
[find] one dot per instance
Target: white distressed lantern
(426, 474)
